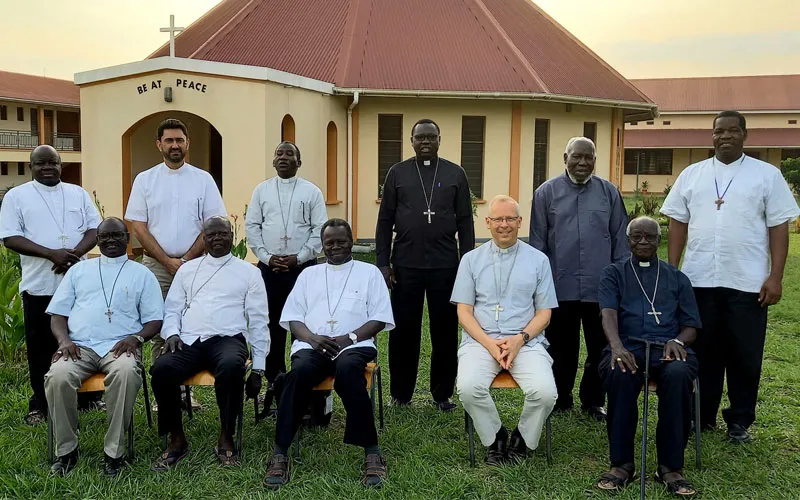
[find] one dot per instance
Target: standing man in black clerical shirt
(426, 200)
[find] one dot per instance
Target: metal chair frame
(504, 380)
(96, 383)
(205, 378)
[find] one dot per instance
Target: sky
(639, 38)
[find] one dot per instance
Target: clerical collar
(575, 181)
(45, 187)
(644, 263)
(740, 159)
(113, 260)
(426, 163)
(176, 171)
(340, 267)
(290, 180)
(499, 250)
(218, 261)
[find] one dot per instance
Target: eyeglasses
(115, 235)
(422, 137)
(500, 220)
(649, 237)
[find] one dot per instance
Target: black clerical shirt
(417, 243)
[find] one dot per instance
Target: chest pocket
(192, 208)
(75, 219)
(301, 213)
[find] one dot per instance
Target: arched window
(287, 129)
(332, 156)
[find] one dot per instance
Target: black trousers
(309, 368)
(731, 342)
(41, 345)
(674, 390)
(408, 295)
(278, 286)
(224, 357)
(563, 334)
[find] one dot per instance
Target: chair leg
(50, 438)
(372, 384)
(188, 398)
(147, 401)
(697, 431)
(297, 443)
(239, 426)
(548, 437)
(643, 464)
(131, 453)
(380, 398)
(255, 407)
(471, 438)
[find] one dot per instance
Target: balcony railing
(20, 139)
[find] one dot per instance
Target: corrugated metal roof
(696, 138)
(39, 89)
(444, 45)
(743, 93)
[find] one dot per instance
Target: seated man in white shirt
(102, 313)
(334, 328)
(215, 306)
(504, 293)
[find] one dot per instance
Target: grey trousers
(61, 383)
(165, 281)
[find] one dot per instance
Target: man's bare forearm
(197, 249)
(778, 249)
(58, 325)
(611, 326)
(150, 329)
(369, 330)
(88, 242)
(676, 240)
(24, 246)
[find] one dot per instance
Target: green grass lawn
(426, 450)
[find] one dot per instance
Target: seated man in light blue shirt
(101, 314)
(504, 294)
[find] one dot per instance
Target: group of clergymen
(586, 265)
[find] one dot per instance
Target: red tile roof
(442, 45)
(713, 94)
(31, 88)
(697, 138)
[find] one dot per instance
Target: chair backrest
(327, 384)
(95, 383)
(504, 380)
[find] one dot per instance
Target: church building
(345, 80)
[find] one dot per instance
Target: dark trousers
(408, 295)
(41, 345)
(309, 368)
(563, 334)
(224, 357)
(731, 342)
(278, 285)
(674, 390)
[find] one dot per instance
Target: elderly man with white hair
(504, 295)
(578, 220)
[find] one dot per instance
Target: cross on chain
(285, 239)
(171, 30)
(655, 314)
(497, 309)
(108, 313)
(64, 238)
(719, 203)
(331, 322)
(429, 213)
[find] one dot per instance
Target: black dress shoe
(517, 448)
(63, 465)
(496, 453)
(596, 412)
(113, 466)
(738, 434)
(445, 406)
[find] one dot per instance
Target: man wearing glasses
(504, 295)
(578, 220)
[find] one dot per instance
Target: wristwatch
(139, 338)
(679, 342)
(525, 337)
(183, 259)
(258, 372)
(353, 337)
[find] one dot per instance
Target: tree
(790, 168)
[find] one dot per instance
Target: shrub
(790, 168)
(12, 319)
(239, 248)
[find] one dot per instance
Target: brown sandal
(168, 460)
(613, 483)
(35, 417)
(680, 487)
(277, 472)
(374, 471)
(227, 457)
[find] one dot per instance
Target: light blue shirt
(483, 286)
(136, 300)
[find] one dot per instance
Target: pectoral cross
(285, 239)
(497, 309)
(719, 203)
(109, 313)
(655, 314)
(429, 213)
(331, 322)
(64, 238)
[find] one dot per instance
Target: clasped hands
(505, 349)
(329, 346)
(63, 259)
(282, 263)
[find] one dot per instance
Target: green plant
(239, 248)
(635, 212)
(667, 189)
(12, 319)
(100, 208)
(790, 167)
(645, 185)
(474, 200)
(650, 205)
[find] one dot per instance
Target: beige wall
(705, 121)
(11, 123)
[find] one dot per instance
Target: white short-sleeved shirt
(174, 204)
(729, 247)
(34, 211)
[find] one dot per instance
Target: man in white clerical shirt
(504, 293)
(334, 312)
(283, 221)
(102, 313)
(167, 207)
(215, 307)
(52, 225)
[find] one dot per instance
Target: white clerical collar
(45, 187)
(575, 181)
(290, 180)
(176, 171)
(340, 267)
(644, 263)
(218, 261)
(113, 260)
(499, 250)
(740, 160)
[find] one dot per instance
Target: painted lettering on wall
(179, 83)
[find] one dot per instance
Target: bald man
(52, 225)
(578, 220)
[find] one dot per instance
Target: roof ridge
(592, 53)
(165, 44)
(348, 37)
(366, 40)
(225, 28)
(38, 76)
(512, 46)
(674, 78)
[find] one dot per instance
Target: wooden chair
(504, 380)
(373, 376)
(96, 383)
